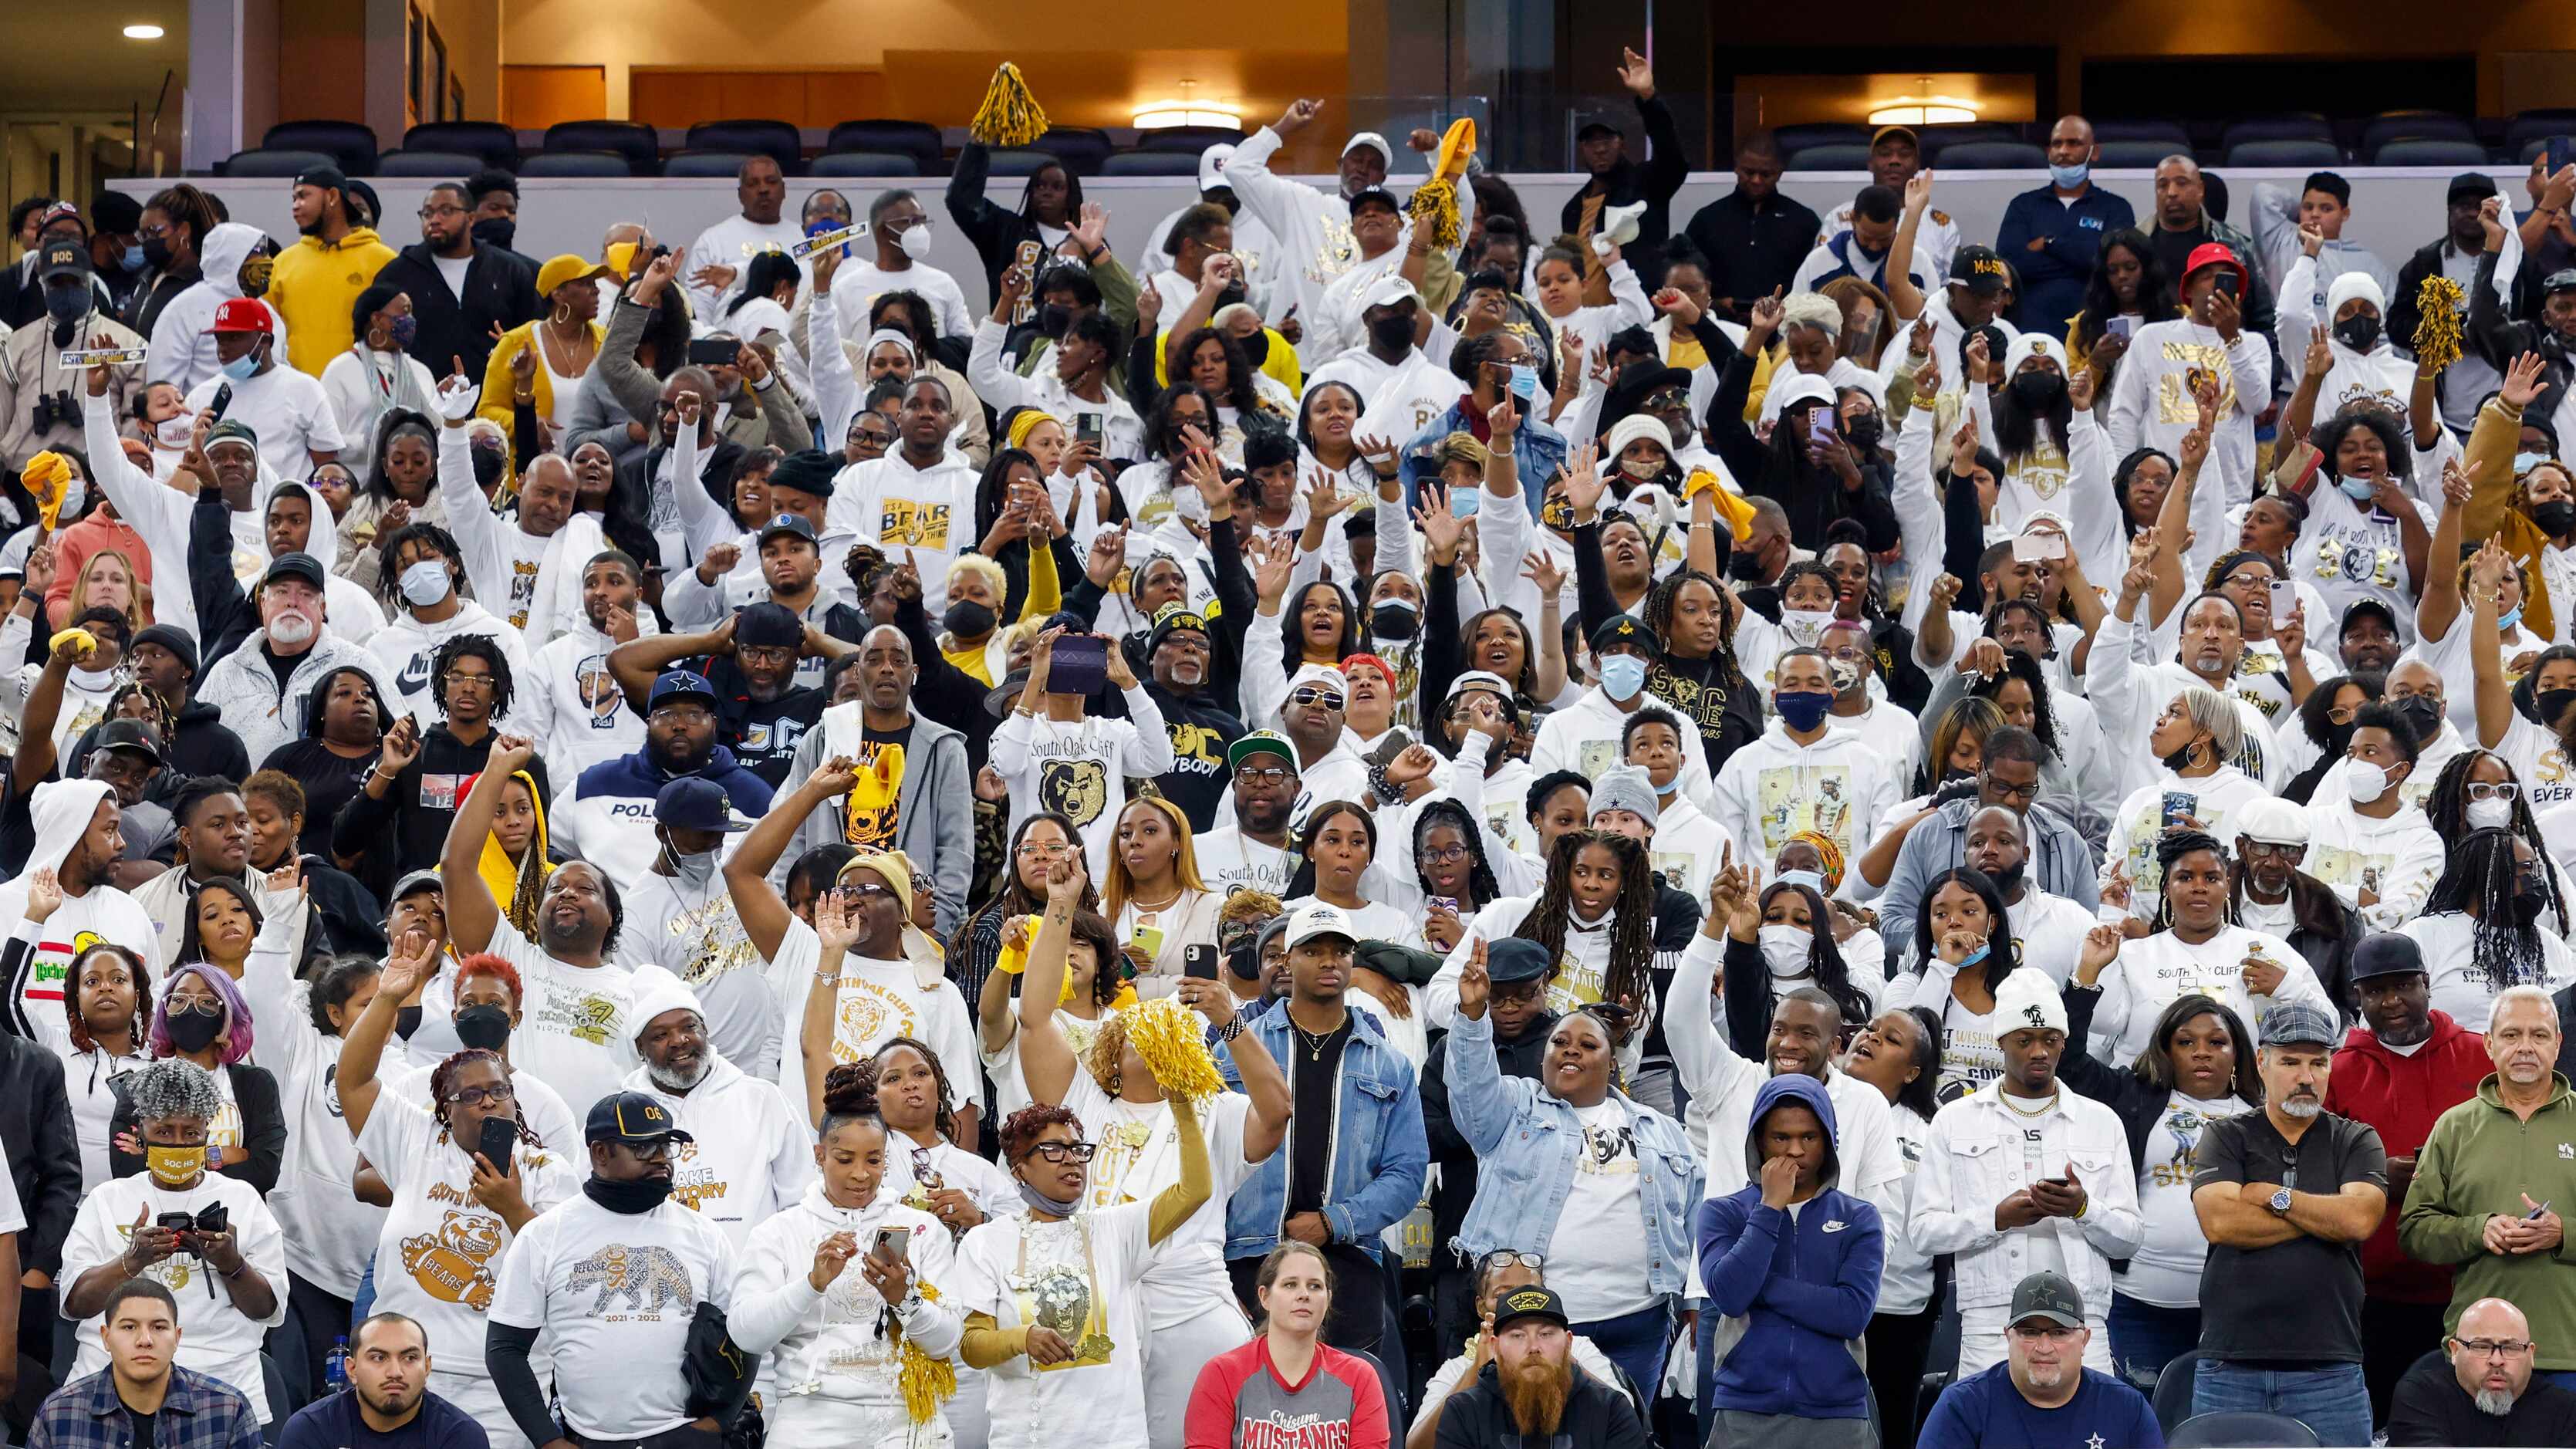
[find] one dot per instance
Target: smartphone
(2177, 804)
(498, 1136)
(1088, 428)
(2122, 327)
(216, 1219)
(223, 399)
(1148, 939)
(176, 1222)
(714, 352)
(894, 1245)
(1820, 426)
(2561, 151)
(2034, 547)
(2285, 600)
(1446, 903)
(2226, 282)
(1198, 962)
(1080, 665)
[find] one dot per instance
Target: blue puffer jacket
(1804, 1288)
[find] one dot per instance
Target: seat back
(1192, 139)
(1081, 149)
(1151, 163)
(1993, 156)
(350, 146)
(864, 163)
(2241, 1431)
(705, 163)
(2529, 126)
(1834, 157)
(2142, 155)
(1795, 138)
(2390, 126)
(777, 140)
(631, 139)
(577, 163)
(447, 165)
(264, 161)
(1937, 140)
(2431, 151)
(489, 142)
(918, 139)
(2172, 1398)
(2285, 152)
(1025, 163)
(2300, 126)
(2169, 134)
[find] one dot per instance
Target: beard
(2301, 1107)
(2493, 1402)
(1536, 1391)
(681, 1079)
(390, 1405)
(679, 759)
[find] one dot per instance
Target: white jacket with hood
(59, 811)
(403, 648)
(243, 685)
(182, 350)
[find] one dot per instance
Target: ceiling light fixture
(144, 32)
(1187, 111)
(1924, 109)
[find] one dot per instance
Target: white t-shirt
(1600, 1268)
(2048, 930)
(2212, 799)
(104, 913)
(695, 933)
(1081, 767)
(2538, 762)
(615, 1293)
(451, 270)
(220, 1339)
(572, 1030)
(754, 1151)
(440, 1254)
(860, 281)
(876, 1002)
(2153, 972)
(2165, 1271)
(994, 1191)
(2460, 983)
(1230, 861)
(540, 1106)
(1083, 1276)
(1139, 1156)
(287, 409)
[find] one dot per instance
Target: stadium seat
(265, 162)
(2431, 151)
(2172, 1398)
(1839, 156)
(1192, 139)
(774, 139)
(705, 163)
(2529, 126)
(864, 163)
(2299, 127)
(1079, 148)
(1020, 163)
(576, 163)
(489, 142)
(2144, 155)
(2168, 134)
(350, 146)
(2241, 1431)
(448, 165)
(917, 139)
(631, 139)
(1993, 156)
(1937, 140)
(1151, 163)
(2413, 126)
(1797, 138)
(2285, 152)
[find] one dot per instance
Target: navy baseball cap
(677, 684)
(694, 802)
(1512, 959)
(631, 1117)
(787, 523)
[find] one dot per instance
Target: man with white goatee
(2487, 1393)
(752, 1153)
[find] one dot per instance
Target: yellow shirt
(314, 285)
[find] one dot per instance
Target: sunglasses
(1309, 694)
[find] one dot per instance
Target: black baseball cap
(768, 624)
(2387, 954)
(2041, 1295)
(694, 802)
(631, 1117)
(787, 523)
(2373, 607)
(295, 566)
(61, 257)
(2469, 183)
(1980, 270)
(1596, 127)
(1512, 960)
(1375, 195)
(1531, 1302)
(1624, 629)
(130, 734)
(326, 177)
(1171, 616)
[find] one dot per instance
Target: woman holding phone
(1155, 898)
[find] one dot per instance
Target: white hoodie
(1584, 737)
(1775, 787)
(571, 706)
(404, 646)
(182, 350)
(753, 1156)
(59, 811)
(828, 1343)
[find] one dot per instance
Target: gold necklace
(2042, 1110)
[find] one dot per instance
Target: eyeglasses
(2493, 1347)
(1043, 849)
(1264, 774)
(685, 713)
(2478, 790)
(657, 1150)
(1061, 1152)
(433, 213)
(183, 1006)
(2269, 850)
(1310, 694)
(2003, 791)
(872, 892)
(1444, 854)
(163, 229)
(494, 1095)
(455, 677)
(2045, 1333)
(1511, 1258)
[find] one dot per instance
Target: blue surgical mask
(2070, 177)
(1808, 878)
(242, 368)
(1622, 675)
(133, 260)
(1464, 502)
(2509, 621)
(2525, 462)
(1984, 948)
(2359, 490)
(1524, 382)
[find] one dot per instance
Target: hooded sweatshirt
(1794, 1285)
(1775, 787)
(315, 288)
(754, 1155)
(2401, 1096)
(182, 350)
(354, 613)
(2481, 1159)
(61, 810)
(830, 1343)
(404, 647)
(570, 704)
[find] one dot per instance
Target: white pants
(970, 1414)
(1173, 1358)
(813, 1421)
(481, 1402)
(1981, 1340)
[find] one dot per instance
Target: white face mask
(1786, 949)
(425, 583)
(175, 432)
(1805, 626)
(916, 241)
(2365, 783)
(2490, 814)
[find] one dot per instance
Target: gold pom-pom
(1010, 115)
(2437, 337)
(1434, 205)
(1173, 1041)
(928, 1381)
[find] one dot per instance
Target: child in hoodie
(1792, 1266)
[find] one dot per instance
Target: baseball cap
(1173, 616)
(2387, 616)
(631, 1117)
(567, 268)
(1374, 142)
(62, 257)
(327, 177)
(1513, 959)
(232, 430)
(426, 879)
(787, 523)
(241, 314)
(1980, 270)
(2047, 1295)
(2297, 1023)
(2271, 820)
(1621, 629)
(768, 625)
(1883, 132)
(130, 734)
(2470, 183)
(1475, 679)
(1212, 166)
(1261, 742)
(2562, 280)
(1318, 918)
(1596, 127)
(678, 684)
(1531, 1302)
(295, 566)
(2386, 954)
(1390, 290)
(1377, 194)
(694, 802)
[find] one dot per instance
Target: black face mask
(156, 252)
(1744, 568)
(2360, 332)
(489, 464)
(1394, 333)
(1394, 619)
(496, 231)
(2037, 392)
(1232, 293)
(483, 1028)
(2180, 760)
(968, 620)
(640, 1196)
(2552, 704)
(2423, 715)
(1053, 318)
(193, 1031)
(1256, 347)
(2528, 903)
(1863, 433)
(2557, 517)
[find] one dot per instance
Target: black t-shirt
(762, 736)
(328, 780)
(1314, 1075)
(142, 1423)
(2246, 1295)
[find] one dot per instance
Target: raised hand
(1767, 312)
(1635, 74)
(1442, 529)
(510, 754)
(837, 921)
(1297, 116)
(2101, 948)
(1270, 575)
(1324, 498)
(44, 893)
(2311, 240)
(401, 747)
(2225, 314)
(2522, 380)
(1474, 985)
(2490, 220)
(1918, 190)
(2320, 360)
(457, 395)
(1676, 303)
(2079, 390)
(1065, 878)
(1502, 420)
(1541, 569)
(1092, 231)
(831, 1256)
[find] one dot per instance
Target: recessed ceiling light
(143, 32)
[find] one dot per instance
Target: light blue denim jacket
(1526, 1142)
(1380, 1156)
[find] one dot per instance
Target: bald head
(2492, 1354)
(2178, 193)
(2070, 142)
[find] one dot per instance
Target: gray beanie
(1625, 787)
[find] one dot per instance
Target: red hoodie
(2402, 1096)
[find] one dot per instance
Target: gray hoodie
(934, 805)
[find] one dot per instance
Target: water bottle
(335, 1367)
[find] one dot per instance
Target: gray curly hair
(172, 1087)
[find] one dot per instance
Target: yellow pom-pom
(928, 1381)
(1173, 1041)
(2437, 337)
(1434, 205)
(45, 476)
(1010, 115)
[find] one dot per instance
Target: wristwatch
(2281, 1202)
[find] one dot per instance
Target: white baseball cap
(1319, 918)
(1212, 166)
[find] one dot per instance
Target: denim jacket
(1538, 449)
(1526, 1142)
(1380, 1157)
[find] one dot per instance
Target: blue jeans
(2144, 1338)
(2333, 1401)
(1636, 1343)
